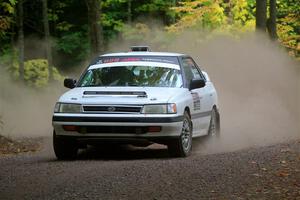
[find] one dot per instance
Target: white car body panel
(160, 94)
(198, 101)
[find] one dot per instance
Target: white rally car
(138, 97)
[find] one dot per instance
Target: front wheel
(182, 146)
(64, 149)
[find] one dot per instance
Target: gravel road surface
(271, 172)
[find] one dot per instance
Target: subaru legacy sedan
(137, 97)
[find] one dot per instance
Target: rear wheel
(182, 146)
(64, 149)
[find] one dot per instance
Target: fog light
(70, 128)
(154, 129)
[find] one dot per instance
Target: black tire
(64, 149)
(182, 146)
(214, 126)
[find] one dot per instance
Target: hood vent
(117, 93)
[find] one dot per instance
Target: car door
(200, 112)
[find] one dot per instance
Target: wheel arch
(187, 109)
(218, 113)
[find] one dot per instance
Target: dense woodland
(36, 35)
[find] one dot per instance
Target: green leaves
(69, 42)
(7, 11)
(8, 7)
(74, 44)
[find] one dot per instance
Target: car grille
(112, 109)
(113, 129)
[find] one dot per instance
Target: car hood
(119, 95)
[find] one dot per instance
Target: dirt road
(271, 172)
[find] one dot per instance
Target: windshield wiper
(132, 84)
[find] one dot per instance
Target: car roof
(143, 53)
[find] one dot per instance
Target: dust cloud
(258, 88)
(26, 112)
(257, 82)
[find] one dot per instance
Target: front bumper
(101, 127)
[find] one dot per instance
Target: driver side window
(190, 70)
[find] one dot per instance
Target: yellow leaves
(4, 23)
(8, 146)
(287, 33)
(36, 73)
(239, 10)
(6, 15)
(291, 18)
(56, 75)
(233, 18)
(284, 32)
(209, 15)
(204, 14)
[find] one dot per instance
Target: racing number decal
(196, 101)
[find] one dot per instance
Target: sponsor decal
(196, 101)
(161, 59)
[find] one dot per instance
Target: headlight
(67, 108)
(160, 109)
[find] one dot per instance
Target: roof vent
(140, 48)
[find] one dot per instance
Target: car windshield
(141, 76)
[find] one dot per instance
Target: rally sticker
(196, 101)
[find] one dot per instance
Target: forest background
(40, 39)
(41, 42)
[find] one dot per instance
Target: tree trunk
(173, 19)
(261, 15)
(129, 12)
(14, 30)
(95, 27)
(21, 40)
(272, 20)
(227, 11)
(47, 39)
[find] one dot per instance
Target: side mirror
(197, 83)
(69, 83)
